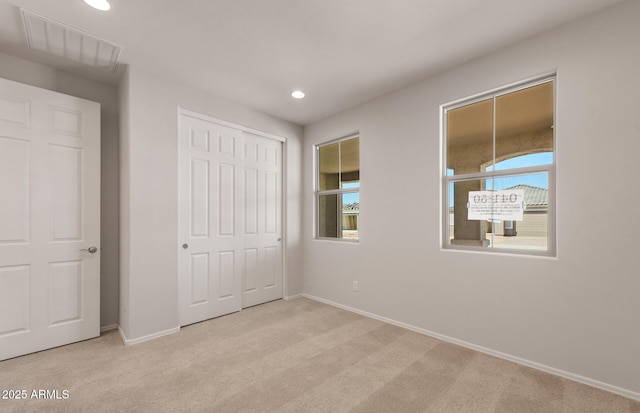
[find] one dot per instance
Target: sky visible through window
(350, 198)
(534, 159)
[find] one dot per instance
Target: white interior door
(209, 258)
(262, 246)
(230, 219)
(49, 219)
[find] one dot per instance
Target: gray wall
(577, 314)
(45, 77)
(149, 200)
(139, 187)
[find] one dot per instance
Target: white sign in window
(506, 205)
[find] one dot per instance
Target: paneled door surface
(262, 254)
(49, 219)
(230, 254)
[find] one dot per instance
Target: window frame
(549, 169)
(339, 191)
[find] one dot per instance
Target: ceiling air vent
(61, 40)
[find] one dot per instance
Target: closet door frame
(182, 265)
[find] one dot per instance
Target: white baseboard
(130, 342)
(108, 328)
(293, 297)
(547, 369)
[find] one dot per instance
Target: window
(338, 189)
(499, 171)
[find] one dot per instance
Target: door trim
(192, 114)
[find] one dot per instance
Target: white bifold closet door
(230, 219)
(49, 219)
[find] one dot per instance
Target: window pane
(328, 215)
(350, 215)
(531, 231)
(329, 165)
(505, 212)
(350, 162)
(524, 125)
(470, 138)
(465, 231)
(339, 215)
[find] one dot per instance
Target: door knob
(91, 250)
(185, 246)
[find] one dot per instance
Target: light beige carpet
(291, 356)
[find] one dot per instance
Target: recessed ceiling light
(298, 94)
(99, 4)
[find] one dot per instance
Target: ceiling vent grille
(61, 40)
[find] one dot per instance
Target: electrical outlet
(356, 286)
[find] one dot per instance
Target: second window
(338, 189)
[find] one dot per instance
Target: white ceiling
(340, 52)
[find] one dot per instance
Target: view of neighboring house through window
(338, 189)
(500, 171)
